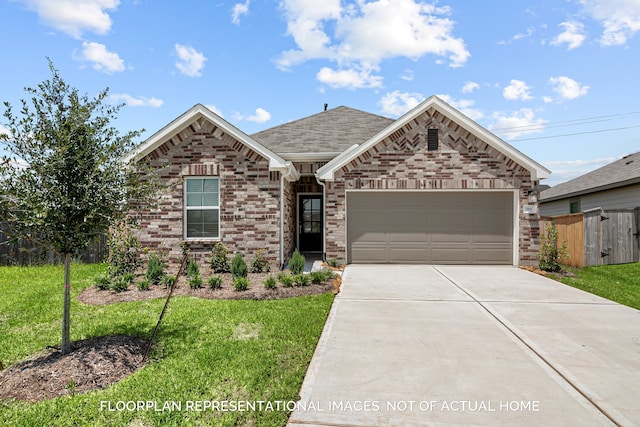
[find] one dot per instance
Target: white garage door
(430, 227)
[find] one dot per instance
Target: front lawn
(619, 283)
(233, 351)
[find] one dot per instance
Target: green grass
(619, 283)
(207, 350)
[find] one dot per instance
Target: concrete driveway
(473, 346)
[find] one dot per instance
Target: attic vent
(432, 139)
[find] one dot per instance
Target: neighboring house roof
(620, 173)
(197, 112)
(330, 132)
(537, 170)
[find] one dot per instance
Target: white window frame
(200, 208)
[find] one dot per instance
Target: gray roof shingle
(622, 172)
(330, 131)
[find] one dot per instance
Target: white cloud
(620, 19)
(239, 9)
(190, 62)
(4, 131)
(136, 102)
(74, 17)
(518, 123)
(261, 116)
(464, 106)
(519, 36)
(573, 35)
(517, 90)
(591, 162)
(568, 88)
(363, 34)
(352, 79)
(407, 75)
(397, 103)
(470, 87)
(214, 109)
(101, 59)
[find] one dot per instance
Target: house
(430, 187)
(614, 186)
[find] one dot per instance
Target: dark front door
(310, 222)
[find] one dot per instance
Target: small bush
(333, 263)
(143, 285)
(215, 282)
(241, 283)
(220, 259)
(124, 250)
(285, 279)
(270, 282)
(301, 279)
(296, 263)
(238, 266)
(120, 284)
(260, 263)
(168, 281)
(551, 255)
(155, 268)
(320, 276)
(192, 268)
(103, 283)
(195, 282)
(129, 277)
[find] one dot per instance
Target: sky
(559, 80)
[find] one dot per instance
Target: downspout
(283, 176)
(324, 217)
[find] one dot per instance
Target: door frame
(322, 224)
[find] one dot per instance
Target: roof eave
(611, 186)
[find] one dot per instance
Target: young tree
(63, 180)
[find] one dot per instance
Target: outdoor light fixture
(533, 196)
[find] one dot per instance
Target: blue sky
(559, 80)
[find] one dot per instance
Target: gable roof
(620, 173)
(197, 112)
(537, 170)
(331, 132)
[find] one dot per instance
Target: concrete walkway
(473, 346)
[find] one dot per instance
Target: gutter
(587, 191)
(289, 174)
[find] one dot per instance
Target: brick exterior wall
(402, 161)
(249, 194)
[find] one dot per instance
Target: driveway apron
(474, 346)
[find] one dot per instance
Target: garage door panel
(430, 227)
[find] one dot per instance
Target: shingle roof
(330, 131)
(622, 172)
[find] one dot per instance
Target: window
(432, 139)
(574, 206)
(202, 208)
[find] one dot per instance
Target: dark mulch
(256, 291)
(92, 364)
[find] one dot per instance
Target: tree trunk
(66, 342)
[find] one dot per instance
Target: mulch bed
(99, 362)
(92, 364)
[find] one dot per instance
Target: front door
(310, 222)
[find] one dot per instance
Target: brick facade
(249, 194)
(402, 162)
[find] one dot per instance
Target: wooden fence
(598, 236)
(22, 252)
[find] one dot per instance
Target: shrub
(333, 263)
(260, 263)
(551, 255)
(270, 282)
(155, 268)
(124, 250)
(143, 285)
(296, 263)
(301, 279)
(320, 276)
(219, 259)
(168, 281)
(240, 283)
(120, 284)
(215, 282)
(129, 277)
(195, 282)
(285, 279)
(192, 268)
(238, 266)
(103, 283)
